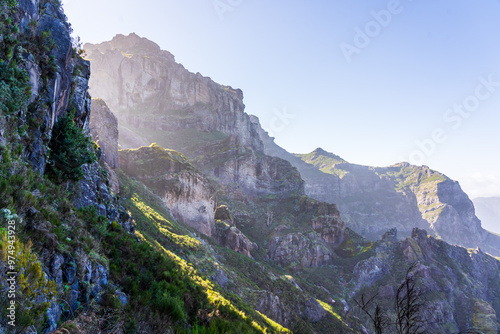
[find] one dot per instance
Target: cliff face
(42, 80)
(104, 131)
(459, 286)
(138, 80)
(373, 200)
(171, 176)
(158, 100)
(58, 79)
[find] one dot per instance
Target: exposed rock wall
(65, 85)
(132, 73)
(104, 130)
(58, 80)
(459, 286)
(158, 100)
(169, 175)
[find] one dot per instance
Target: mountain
(374, 199)
(488, 210)
(191, 227)
(261, 209)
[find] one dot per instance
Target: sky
(376, 82)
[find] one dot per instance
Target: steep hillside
(70, 257)
(156, 100)
(287, 255)
(221, 239)
(373, 200)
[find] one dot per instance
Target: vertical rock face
(158, 100)
(171, 176)
(132, 74)
(104, 130)
(373, 200)
(58, 82)
(56, 90)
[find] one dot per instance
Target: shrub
(69, 150)
(30, 279)
(14, 88)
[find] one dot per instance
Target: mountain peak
(319, 152)
(131, 43)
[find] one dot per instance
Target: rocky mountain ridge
(375, 199)
(280, 226)
(249, 252)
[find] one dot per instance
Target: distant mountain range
(488, 210)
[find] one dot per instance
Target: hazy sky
(376, 82)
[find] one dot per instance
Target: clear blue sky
(289, 57)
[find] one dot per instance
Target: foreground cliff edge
(203, 233)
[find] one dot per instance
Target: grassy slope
(246, 276)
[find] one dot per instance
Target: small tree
(408, 306)
(69, 150)
(411, 316)
(378, 318)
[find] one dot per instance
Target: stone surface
(104, 130)
(458, 285)
(232, 238)
(373, 200)
(188, 193)
(158, 100)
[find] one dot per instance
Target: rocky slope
(37, 56)
(459, 287)
(302, 265)
(83, 267)
(373, 200)
(188, 193)
(158, 100)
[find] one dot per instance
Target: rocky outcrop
(55, 89)
(167, 173)
(158, 100)
(306, 307)
(104, 131)
(459, 286)
(132, 73)
(232, 238)
(373, 200)
(269, 304)
(331, 229)
(313, 245)
(228, 235)
(306, 250)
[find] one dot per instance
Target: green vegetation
(157, 275)
(14, 83)
(325, 162)
(31, 281)
(69, 150)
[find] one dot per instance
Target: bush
(14, 88)
(69, 150)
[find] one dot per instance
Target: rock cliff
(459, 286)
(43, 80)
(104, 131)
(373, 200)
(185, 191)
(158, 100)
